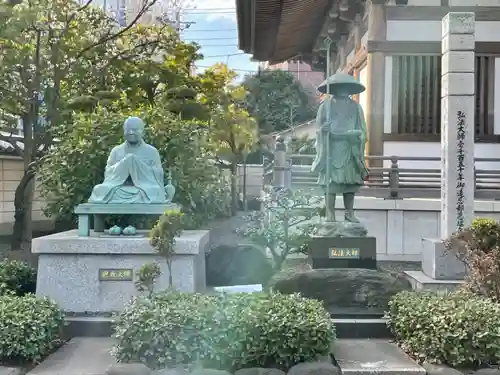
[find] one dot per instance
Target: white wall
(400, 225)
(433, 149)
(11, 172)
(486, 31)
(254, 180)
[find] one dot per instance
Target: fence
(390, 181)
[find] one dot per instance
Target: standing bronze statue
(340, 144)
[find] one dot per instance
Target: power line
(217, 45)
(225, 55)
(206, 12)
(210, 9)
(236, 70)
(255, 71)
(210, 30)
(197, 39)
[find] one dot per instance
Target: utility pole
(177, 21)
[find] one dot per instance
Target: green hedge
(29, 328)
(224, 331)
(456, 329)
(17, 277)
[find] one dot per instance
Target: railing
(390, 181)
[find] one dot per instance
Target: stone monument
(340, 164)
(94, 270)
(441, 269)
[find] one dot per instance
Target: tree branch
(119, 33)
(85, 6)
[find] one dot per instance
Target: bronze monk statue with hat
(340, 144)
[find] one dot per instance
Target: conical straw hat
(349, 84)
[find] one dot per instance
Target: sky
(214, 27)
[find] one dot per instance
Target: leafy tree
(233, 131)
(57, 54)
(277, 101)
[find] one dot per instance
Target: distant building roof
(307, 123)
(7, 147)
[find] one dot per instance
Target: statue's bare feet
(349, 216)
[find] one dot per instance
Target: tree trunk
(234, 187)
(23, 199)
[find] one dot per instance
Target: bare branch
(119, 33)
(85, 6)
(131, 56)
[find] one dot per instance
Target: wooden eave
(257, 26)
(279, 30)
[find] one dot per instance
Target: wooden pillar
(357, 46)
(375, 90)
(357, 33)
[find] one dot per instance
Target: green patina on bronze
(133, 184)
(134, 173)
(340, 144)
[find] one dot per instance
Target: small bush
(223, 331)
(238, 265)
(17, 277)
(478, 247)
(486, 233)
(457, 329)
(29, 328)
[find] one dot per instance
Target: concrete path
(91, 356)
(373, 356)
(80, 356)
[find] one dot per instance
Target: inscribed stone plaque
(116, 274)
(343, 252)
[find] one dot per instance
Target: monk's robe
(345, 133)
(133, 174)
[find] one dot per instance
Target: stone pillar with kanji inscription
(457, 122)
(457, 144)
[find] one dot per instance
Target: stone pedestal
(96, 274)
(440, 264)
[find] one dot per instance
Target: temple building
(394, 48)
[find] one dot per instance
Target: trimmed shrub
(17, 277)
(227, 332)
(478, 247)
(237, 265)
(456, 329)
(30, 328)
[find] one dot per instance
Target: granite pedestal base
(96, 274)
(343, 252)
(440, 264)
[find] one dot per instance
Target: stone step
(346, 328)
(362, 328)
(420, 281)
(373, 356)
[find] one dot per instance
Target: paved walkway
(80, 356)
(91, 356)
